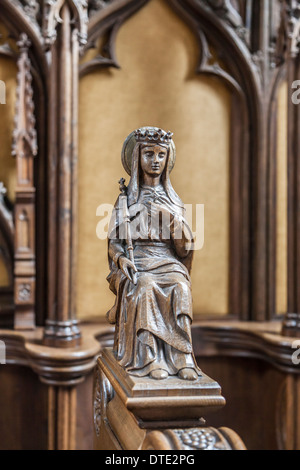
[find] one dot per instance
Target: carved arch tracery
(251, 52)
(252, 70)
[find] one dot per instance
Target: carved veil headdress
(131, 162)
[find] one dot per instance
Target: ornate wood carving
(25, 13)
(291, 49)
(243, 37)
(160, 404)
(53, 16)
(24, 149)
(103, 394)
(244, 43)
(144, 407)
(31, 8)
(193, 439)
(249, 40)
(105, 21)
(64, 30)
(255, 246)
(65, 368)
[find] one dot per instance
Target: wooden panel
(23, 409)
(85, 424)
(157, 85)
(281, 198)
(252, 390)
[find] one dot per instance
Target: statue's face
(153, 159)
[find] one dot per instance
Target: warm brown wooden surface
(252, 52)
(253, 406)
(47, 391)
(23, 409)
(260, 407)
(133, 413)
(24, 150)
(157, 403)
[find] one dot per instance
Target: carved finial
(31, 8)
(23, 42)
(289, 40)
(24, 135)
(52, 18)
(123, 187)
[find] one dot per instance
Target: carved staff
(126, 221)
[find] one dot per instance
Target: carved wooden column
(291, 324)
(269, 72)
(64, 39)
(24, 149)
(62, 418)
(292, 412)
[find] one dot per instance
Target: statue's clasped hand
(127, 268)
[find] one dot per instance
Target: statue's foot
(159, 374)
(187, 374)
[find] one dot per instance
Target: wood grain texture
(161, 401)
(127, 407)
(248, 46)
(243, 47)
(254, 355)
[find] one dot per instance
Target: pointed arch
(239, 74)
(18, 22)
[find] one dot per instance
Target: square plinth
(162, 402)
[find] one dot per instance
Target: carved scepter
(126, 221)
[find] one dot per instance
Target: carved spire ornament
(24, 135)
(292, 26)
(31, 8)
(24, 149)
(52, 19)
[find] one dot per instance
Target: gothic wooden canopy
(256, 46)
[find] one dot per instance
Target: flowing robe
(153, 317)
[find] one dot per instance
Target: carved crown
(157, 136)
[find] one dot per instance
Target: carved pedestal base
(133, 413)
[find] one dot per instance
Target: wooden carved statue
(150, 253)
